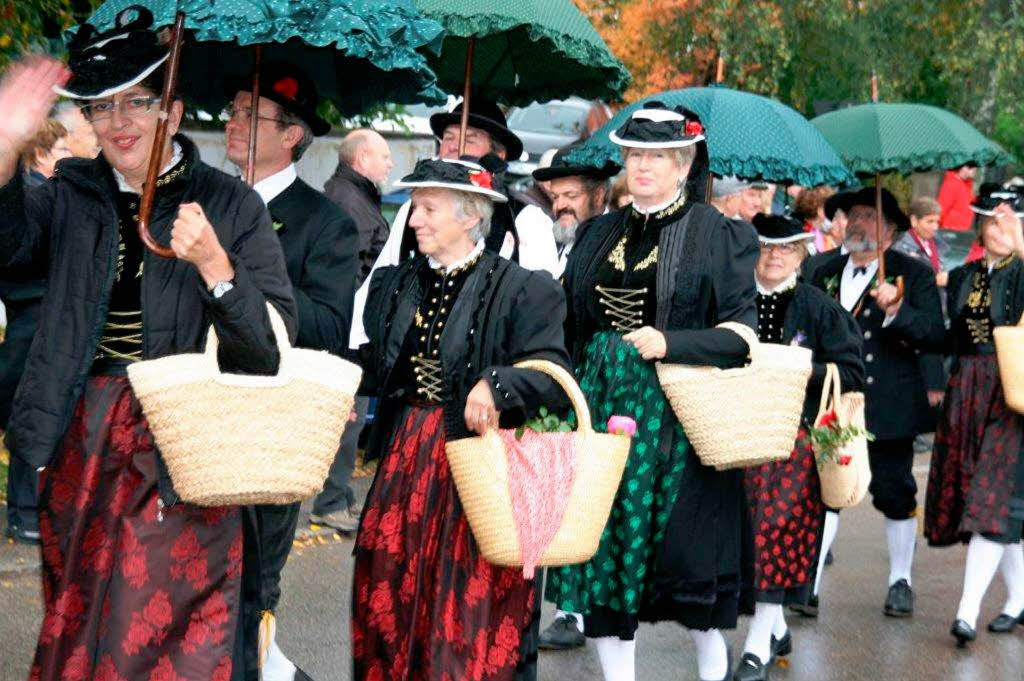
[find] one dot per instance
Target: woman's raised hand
(26, 96)
(1011, 226)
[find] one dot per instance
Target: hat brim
(990, 212)
(70, 92)
(807, 236)
(555, 173)
(317, 125)
(439, 122)
(637, 144)
(497, 197)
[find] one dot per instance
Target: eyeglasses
(245, 112)
(132, 106)
(781, 248)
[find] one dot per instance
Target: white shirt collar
(477, 250)
(788, 283)
(650, 210)
(176, 156)
(270, 187)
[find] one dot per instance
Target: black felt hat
(561, 166)
(992, 195)
(840, 201)
(778, 229)
(289, 87)
(655, 126)
(461, 175)
(484, 115)
(890, 206)
(103, 64)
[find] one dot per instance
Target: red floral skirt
(132, 591)
(785, 515)
(426, 605)
(978, 446)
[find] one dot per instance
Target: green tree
(38, 25)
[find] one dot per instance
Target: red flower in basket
(693, 128)
(482, 179)
(621, 425)
(827, 419)
(845, 460)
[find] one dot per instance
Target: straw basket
(235, 440)
(479, 467)
(741, 417)
(844, 486)
(1010, 353)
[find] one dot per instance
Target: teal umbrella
(905, 138)
(747, 134)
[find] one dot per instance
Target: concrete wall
(320, 160)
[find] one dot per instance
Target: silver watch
(221, 287)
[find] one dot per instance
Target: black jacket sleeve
(25, 218)
(368, 352)
(324, 295)
(734, 254)
(247, 343)
(919, 321)
(839, 342)
(535, 332)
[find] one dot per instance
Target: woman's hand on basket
(481, 415)
(649, 342)
(193, 240)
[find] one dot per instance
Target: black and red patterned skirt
(426, 604)
(975, 464)
(132, 591)
(785, 515)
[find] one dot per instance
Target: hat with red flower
(655, 126)
(290, 88)
(458, 175)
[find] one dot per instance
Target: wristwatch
(221, 287)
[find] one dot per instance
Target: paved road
(851, 641)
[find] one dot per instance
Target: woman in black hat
(976, 482)
(136, 584)
(649, 283)
(445, 329)
(784, 508)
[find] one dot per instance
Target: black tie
(859, 270)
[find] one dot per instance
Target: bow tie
(859, 270)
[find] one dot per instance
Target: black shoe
(829, 558)
(562, 634)
(781, 647)
(23, 535)
(751, 669)
(900, 601)
(1005, 624)
(963, 632)
(301, 675)
(808, 609)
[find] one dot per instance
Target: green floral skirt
(617, 381)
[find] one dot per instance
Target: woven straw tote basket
(233, 440)
(741, 417)
(479, 467)
(844, 486)
(1010, 353)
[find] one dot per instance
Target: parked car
(552, 125)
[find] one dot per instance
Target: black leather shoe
(900, 601)
(963, 632)
(829, 558)
(808, 609)
(562, 634)
(301, 675)
(23, 535)
(781, 647)
(751, 669)
(1005, 624)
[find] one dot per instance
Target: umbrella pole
(254, 116)
(880, 251)
(159, 137)
(465, 95)
(720, 70)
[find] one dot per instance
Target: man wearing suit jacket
(321, 249)
(897, 329)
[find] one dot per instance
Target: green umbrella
(524, 51)
(748, 135)
(905, 138)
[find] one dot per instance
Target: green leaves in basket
(545, 422)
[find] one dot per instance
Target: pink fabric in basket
(541, 471)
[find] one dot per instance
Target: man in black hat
(578, 192)
(897, 327)
(321, 249)
(518, 232)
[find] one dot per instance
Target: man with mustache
(897, 329)
(578, 192)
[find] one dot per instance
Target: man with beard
(897, 327)
(578, 192)
(736, 197)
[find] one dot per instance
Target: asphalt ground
(850, 641)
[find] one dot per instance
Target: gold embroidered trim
(428, 377)
(625, 306)
(617, 257)
(461, 268)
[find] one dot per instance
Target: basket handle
(280, 336)
(831, 388)
(568, 384)
(747, 334)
